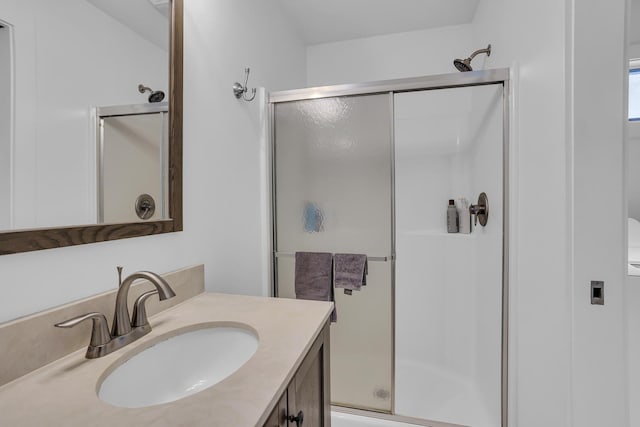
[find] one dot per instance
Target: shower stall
(370, 169)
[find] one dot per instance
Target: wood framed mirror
(31, 239)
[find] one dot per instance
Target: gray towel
(314, 277)
(350, 271)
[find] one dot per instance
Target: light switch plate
(597, 292)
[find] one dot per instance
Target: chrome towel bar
(369, 258)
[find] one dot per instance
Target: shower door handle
(297, 419)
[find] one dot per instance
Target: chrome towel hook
(240, 91)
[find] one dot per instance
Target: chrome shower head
(155, 96)
(464, 65)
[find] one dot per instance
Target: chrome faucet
(121, 320)
(123, 331)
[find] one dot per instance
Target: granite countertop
(64, 393)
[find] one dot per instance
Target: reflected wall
(69, 58)
(6, 99)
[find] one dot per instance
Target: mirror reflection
(132, 160)
(633, 142)
(81, 108)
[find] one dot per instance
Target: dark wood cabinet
(278, 417)
(307, 401)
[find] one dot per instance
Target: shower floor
(443, 396)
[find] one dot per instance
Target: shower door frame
(102, 113)
(391, 87)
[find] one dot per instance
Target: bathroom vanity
(286, 380)
(307, 396)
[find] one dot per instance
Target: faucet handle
(139, 310)
(99, 334)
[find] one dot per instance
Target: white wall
(6, 66)
(540, 300)
(568, 366)
(67, 59)
(566, 355)
(632, 300)
(222, 170)
(599, 240)
(566, 359)
(530, 38)
(394, 56)
(633, 354)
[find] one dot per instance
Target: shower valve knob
(297, 419)
(480, 210)
(476, 210)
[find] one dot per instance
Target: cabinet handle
(297, 419)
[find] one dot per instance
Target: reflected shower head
(464, 65)
(155, 96)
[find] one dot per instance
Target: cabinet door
(278, 417)
(308, 394)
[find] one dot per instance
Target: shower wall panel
(333, 194)
(448, 145)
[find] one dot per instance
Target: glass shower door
(332, 186)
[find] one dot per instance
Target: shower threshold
(348, 417)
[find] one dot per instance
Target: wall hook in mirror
(240, 91)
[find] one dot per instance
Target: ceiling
(323, 21)
(148, 18)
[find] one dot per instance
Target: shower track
(348, 417)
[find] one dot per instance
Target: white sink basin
(179, 366)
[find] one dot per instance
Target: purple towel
(350, 271)
(314, 277)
